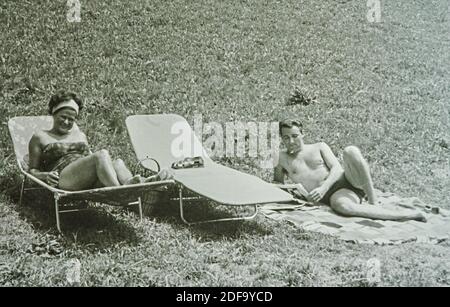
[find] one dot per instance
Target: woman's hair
(289, 123)
(62, 96)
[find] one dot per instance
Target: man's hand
(300, 189)
(296, 189)
(317, 194)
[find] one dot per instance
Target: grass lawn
(381, 86)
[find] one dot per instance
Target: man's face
(292, 138)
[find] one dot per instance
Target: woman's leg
(164, 174)
(85, 172)
(126, 177)
(124, 174)
(357, 172)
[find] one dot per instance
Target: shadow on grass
(95, 228)
(169, 211)
(101, 227)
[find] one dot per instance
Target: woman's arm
(84, 138)
(35, 155)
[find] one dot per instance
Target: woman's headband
(66, 104)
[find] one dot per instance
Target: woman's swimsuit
(57, 156)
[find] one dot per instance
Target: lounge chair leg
(140, 208)
(58, 224)
(180, 197)
(22, 190)
(240, 218)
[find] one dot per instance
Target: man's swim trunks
(342, 183)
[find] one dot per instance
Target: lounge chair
(157, 137)
(22, 129)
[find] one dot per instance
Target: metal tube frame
(180, 199)
(57, 197)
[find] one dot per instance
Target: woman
(61, 156)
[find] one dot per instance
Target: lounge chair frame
(100, 195)
(60, 195)
(142, 154)
(182, 199)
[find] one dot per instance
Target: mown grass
(382, 87)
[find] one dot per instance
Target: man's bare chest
(306, 163)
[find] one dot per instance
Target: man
(319, 177)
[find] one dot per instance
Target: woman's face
(63, 120)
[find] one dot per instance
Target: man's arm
(278, 174)
(278, 171)
(296, 188)
(336, 172)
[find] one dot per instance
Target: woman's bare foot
(151, 179)
(162, 175)
(165, 174)
(134, 180)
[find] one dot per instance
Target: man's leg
(357, 172)
(346, 202)
(85, 172)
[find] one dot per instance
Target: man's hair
(290, 123)
(62, 96)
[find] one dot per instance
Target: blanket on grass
(321, 218)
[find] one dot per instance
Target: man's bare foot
(421, 217)
(418, 216)
(375, 202)
(369, 189)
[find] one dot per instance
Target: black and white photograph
(224, 148)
